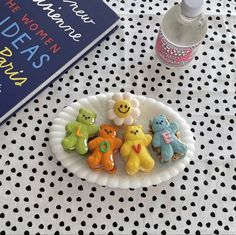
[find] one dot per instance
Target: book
(40, 39)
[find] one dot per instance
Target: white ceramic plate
(98, 104)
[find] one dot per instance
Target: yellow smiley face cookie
(123, 109)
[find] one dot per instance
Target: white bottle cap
(191, 8)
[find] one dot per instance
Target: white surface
(98, 104)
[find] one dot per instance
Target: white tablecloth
(39, 196)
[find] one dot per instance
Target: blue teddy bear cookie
(166, 139)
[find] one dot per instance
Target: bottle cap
(191, 8)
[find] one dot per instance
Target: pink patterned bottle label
(173, 55)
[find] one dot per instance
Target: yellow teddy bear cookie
(134, 150)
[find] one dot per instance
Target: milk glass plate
(98, 104)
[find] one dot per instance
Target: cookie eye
(131, 132)
(126, 106)
(121, 106)
(83, 115)
(88, 117)
(110, 132)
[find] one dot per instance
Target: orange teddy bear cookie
(103, 148)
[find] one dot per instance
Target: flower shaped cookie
(123, 109)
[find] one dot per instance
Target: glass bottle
(182, 30)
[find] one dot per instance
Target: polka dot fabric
(39, 196)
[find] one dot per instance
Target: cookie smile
(125, 111)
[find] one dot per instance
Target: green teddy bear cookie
(79, 131)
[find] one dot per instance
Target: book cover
(39, 39)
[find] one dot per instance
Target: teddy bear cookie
(79, 131)
(103, 148)
(123, 109)
(166, 139)
(134, 150)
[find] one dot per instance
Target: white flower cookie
(123, 109)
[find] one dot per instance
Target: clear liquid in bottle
(182, 31)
